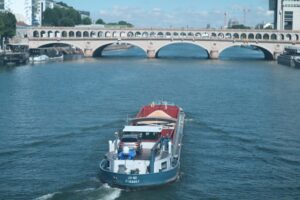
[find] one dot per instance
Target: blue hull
(135, 181)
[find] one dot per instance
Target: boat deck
(144, 155)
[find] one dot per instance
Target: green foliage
(66, 22)
(120, 23)
(7, 24)
(86, 21)
(100, 21)
(2, 26)
(61, 17)
(239, 26)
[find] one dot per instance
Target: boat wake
(104, 192)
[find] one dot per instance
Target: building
(84, 14)
(28, 11)
(233, 22)
(2, 5)
(286, 14)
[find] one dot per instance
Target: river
(241, 137)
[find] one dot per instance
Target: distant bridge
(92, 40)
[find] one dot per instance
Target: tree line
(68, 16)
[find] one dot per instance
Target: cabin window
(150, 136)
(164, 165)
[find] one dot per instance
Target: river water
(241, 133)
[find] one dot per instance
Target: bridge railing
(204, 34)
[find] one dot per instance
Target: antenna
(225, 19)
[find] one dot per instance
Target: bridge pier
(214, 54)
(276, 54)
(88, 52)
(151, 53)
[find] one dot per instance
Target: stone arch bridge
(92, 40)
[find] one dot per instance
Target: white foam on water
(113, 193)
(85, 190)
(106, 186)
(116, 193)
(46, 196)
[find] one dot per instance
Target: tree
(124, 23)
(86, 21)
(57, 17)
(239, 26)
(10, 25)
(121, 23)
(100, 21)
(66, 22)
(7, 25)
(52, 16)
(2, 26)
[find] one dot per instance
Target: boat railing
(160, 148)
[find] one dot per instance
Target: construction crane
(245, 11)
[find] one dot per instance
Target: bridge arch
(137, 34)
(160, 34)
(288, 37)
(78, 34)
(93, 34)
(64, 34)
(267, 52)
(228, 35)
(100, 34)
(273, 36)
(145, 34)
(114, 34)
(236, 36)
(122, 34)
(35, 34)
(57, 34)
(297, 37)
(221, 35)
(152, 34)
(266, 36)
(251, 36)
(258, 36)
(59, 45)
(213, 35)
(43, 34)
(50, 34)
(130, 34)
(181, 42)
(86, 34)
(98, 50)
(107, 34)
(71, 34)
(176, 34)
(243, 36)
(281, 37)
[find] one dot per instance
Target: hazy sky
(176, 13)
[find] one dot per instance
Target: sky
(177, 13)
